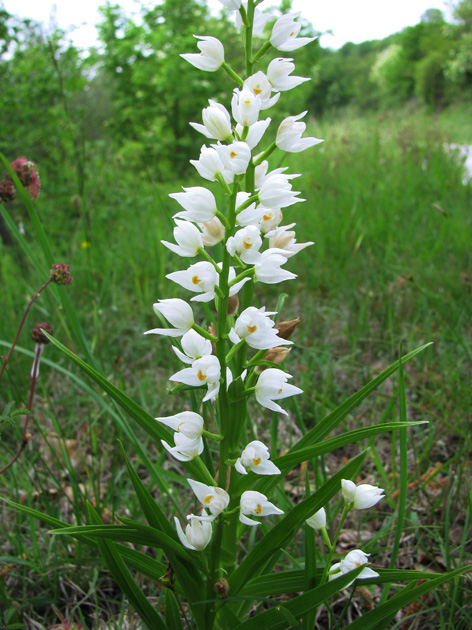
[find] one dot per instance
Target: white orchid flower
(209, 166)
(317, 520)
(363, 496)
(188, 237)
(212, 232)
(199, 204)
(185, 449)
(197, 533)
(260, 86)
(255, 133)
(267, 268)
(284, 238)
(276, 191)
(216, 122)
(278, 75)
(246, 242)
(256, 504)
(211, 55)
(272, 385)
(194, 346)
(270, 219)
(235, 156)
(204, 371)
(178, 313)
(245, 106)
(353, 560)
(289, 135)
(255, 326)
(255, 457)
(200, 278)
(188, 423)
(285, 31)
(214, 499)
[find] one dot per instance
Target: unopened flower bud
(274, 355)
(38, 335)
(27, 173)
(7, 191)
(212, 232)
(286, 329)
(60, 274)
(233, 305)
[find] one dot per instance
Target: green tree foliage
(459, 69)
(153, 90)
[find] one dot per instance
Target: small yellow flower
(85, 244)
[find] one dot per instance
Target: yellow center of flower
(201, 376)
(257, 90)
(292, 34)
(178, 428)
(247, 245)
(233, 154)
(267, 217)
(280, 391)
(257, 461)
(251, 328)
(196, 280)
(358, 564)
(258, 509)
(247, 101)
(207, 500)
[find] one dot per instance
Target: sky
(349, 20)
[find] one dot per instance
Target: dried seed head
(38, 336)
(7, 191)
(286, 329)
(27, 173)
(60, 274)
(222, 587)
(233, 305)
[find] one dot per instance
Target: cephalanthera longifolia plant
(228, 560)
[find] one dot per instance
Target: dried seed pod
(286, 329)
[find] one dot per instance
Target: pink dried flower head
(7, 191)
(60, 274)
(27, 173)
(38, 335)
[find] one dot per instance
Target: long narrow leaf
(330, 421)
(125, 580)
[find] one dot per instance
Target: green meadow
(390, 270)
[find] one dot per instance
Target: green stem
(216, 437)
(207, 257)
(232, 73)
(248, 32)
(347, 508)
(222, 218)
(245, 274)
(223, 183)
(204, 333)
(204, 471)
(233, 350)
(247, 203)
(263, 156)
(262, 51)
